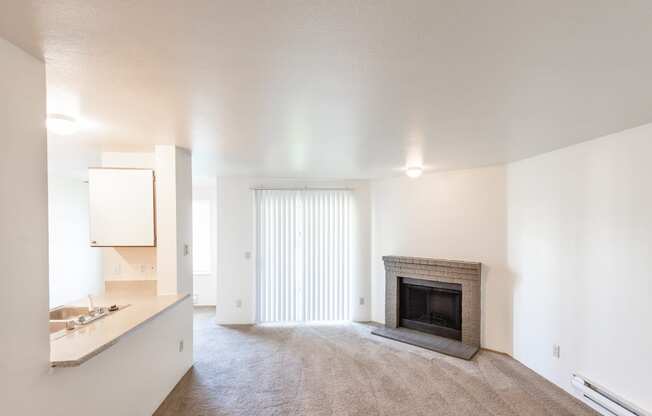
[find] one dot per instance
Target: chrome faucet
(91, 306)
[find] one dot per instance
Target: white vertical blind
(326, 255)
(277, 245)
(303, 261)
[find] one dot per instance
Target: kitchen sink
(67, 319)
(56, 326)
(67, 312)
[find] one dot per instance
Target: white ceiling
(339, 88)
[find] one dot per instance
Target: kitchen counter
(80, 345)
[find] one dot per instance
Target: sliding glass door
(278, 256)
(326, 243)
(303, 255)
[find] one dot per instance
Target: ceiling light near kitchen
(414, 171)
(61, 124)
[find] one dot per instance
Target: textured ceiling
(335, 88)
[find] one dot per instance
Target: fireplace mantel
(468, 274)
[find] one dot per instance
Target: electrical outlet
(556, 351)
(361, 301)
(247, 255)
(238, 303)
(181, 346)
(143, 268)
(117, 269)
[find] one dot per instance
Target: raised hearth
(439, 298)
(430, 342)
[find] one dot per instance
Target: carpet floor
(344, 370)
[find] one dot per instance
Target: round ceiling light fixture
(414, 171)
(61, 124)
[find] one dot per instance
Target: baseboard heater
(602, 400)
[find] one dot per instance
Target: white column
(173, 219)
(24, 350)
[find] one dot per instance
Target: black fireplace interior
(434, 307)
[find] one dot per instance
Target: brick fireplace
(443, 275)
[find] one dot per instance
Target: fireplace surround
(456, 281)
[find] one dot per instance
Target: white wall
(126, 379)
(205, 285)
(173, 219)
(128, 263)
(580, 247)
(75, 266)
(458, 215)
(183, 175)
(141, 160)
(236, 222)
(24, 351)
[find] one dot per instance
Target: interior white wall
(141, 160)
(580, 232)
(236, 236)
(128, 263)
(458, 215)
(183, 209)
(205, 285)
(24, 352)
(173, 219)
(75, 266)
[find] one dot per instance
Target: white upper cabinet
(121, 207)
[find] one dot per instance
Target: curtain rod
(305, 188)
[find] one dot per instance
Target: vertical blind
(303, 258)
(277, 256)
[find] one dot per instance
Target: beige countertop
(75, 348)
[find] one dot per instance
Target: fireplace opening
(433, 307)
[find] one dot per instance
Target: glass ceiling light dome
(414, 171)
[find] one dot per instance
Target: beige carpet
(343, 370)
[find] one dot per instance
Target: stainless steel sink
(67, 312)
(66, 319)
(56, 326)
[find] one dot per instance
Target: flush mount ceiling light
(61, 124)
(414, 171)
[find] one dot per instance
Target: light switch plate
(556, 351)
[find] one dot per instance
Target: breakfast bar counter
(85, 342)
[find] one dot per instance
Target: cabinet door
(121, 207)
